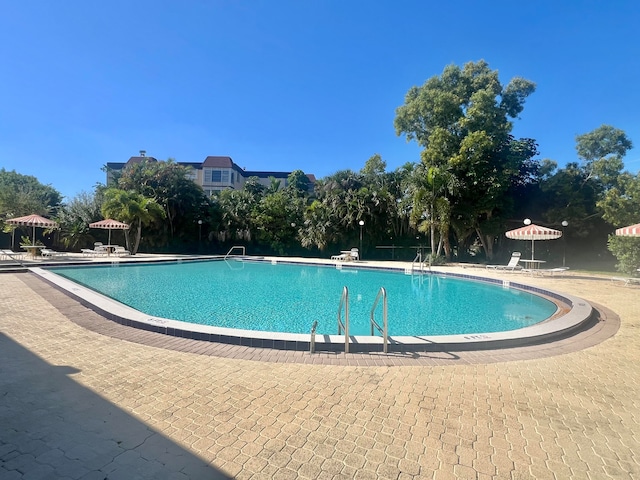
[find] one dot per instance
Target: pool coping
(580, 314)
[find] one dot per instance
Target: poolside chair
(47, 252)
(551, 272)
(626, 281)
(120, 251)
(354, 254)
(9, 254)
(511, 266)
(343, 256)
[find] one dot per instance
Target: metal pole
(564, 242)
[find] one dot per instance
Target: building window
(216, 176)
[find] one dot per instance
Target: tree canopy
(462, 119)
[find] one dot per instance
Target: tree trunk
(488, 248)
(136, 244)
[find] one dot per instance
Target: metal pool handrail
(344, 302)
(312, 338)
(384, 330)
(233, 248)
(420, 263)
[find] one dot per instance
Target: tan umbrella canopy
(630, 231)
(533, 232)
(109, 224)
(32, 221)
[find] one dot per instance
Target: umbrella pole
(532, 249)
(33, 240)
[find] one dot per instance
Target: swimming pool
(288, 298)
(574, 314)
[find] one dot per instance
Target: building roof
(221, 162)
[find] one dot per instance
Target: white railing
(234, 248)
(384, 329)
(312, 339)
(344, 302)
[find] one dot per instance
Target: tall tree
(182, 200)
(23, 195)
(462, 121)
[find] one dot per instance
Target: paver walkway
(78, 404)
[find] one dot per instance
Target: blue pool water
(288, 298)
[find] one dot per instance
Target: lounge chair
(11, 255)
(626, 281)
(551, 272)
(47, 252)
(120, 251)
(354, 254)
(511, 266)
(342, 256)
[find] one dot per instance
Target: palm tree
(134, 209)
(431, 212)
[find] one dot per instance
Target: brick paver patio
(77, 403)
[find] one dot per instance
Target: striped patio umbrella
(533, 232)
(630, 231)
(32, 221)
(109, 224)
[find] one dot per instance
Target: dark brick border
(604, 325)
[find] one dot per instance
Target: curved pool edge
(579, 317)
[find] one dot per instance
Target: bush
(627, 252)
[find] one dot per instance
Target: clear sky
(291, 84)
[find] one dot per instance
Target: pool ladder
(236, 247)
(343, 325)
(344, 304)
(384, 329)
(420, 263)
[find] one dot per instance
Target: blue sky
(284, 85)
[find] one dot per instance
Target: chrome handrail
(312, 339)
(344, 302)
(384, 330)
(233, 248)
(420, 263)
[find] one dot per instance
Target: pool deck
(81, 402)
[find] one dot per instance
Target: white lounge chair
(47, 252)
(551, 272)
(11, 255)
(354, 254)
(120, 251)
(343, 256)
(626, 281)
(512, 265)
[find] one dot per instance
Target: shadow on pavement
(52, 427)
